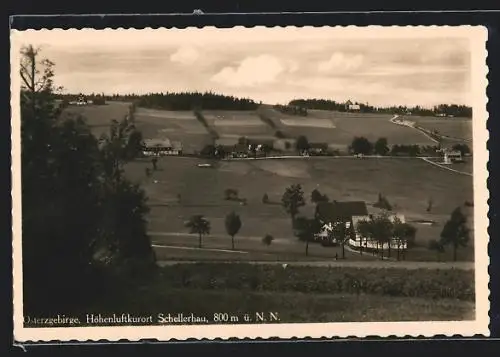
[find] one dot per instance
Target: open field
(99, 117)
(460, 128)
(231, 125)
(407, 184)
(340, 128)
(179, 126)
(316, 129)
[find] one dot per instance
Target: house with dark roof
(328, 211)
(333, 213)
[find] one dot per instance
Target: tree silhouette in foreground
(200, 225)
(83, 222)
(233, 225)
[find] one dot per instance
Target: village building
(452, 156)
(350, 106)
(331, 214)
(318, 149)
(240, 151)
(161, 147)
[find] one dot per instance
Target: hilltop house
(350, 106)
(351, 213)
(161, 147)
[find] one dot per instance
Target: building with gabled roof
(161, 147)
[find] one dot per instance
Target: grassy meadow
(180, 189)
(407, 183)
(460, 128)
(338, 129)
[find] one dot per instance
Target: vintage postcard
(249, 183)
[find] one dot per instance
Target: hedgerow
(425, 283)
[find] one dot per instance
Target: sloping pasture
(176, 125)
(339, 129)
(460, 128)
(408, 184)
(231, 125)
(99, 117)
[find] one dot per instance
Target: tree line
(191, 101)
(84, 226)
(454, 110)
(361, 145)
(291, 109)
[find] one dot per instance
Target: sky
(381, 66)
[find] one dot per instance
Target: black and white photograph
(249, 182)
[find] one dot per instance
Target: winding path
(446, 168)
(393, 120)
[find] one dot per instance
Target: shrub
(230, 194)
(267, 239)
(279, 134)
(265, 198)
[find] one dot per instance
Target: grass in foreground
(292, 307)
(295, 294)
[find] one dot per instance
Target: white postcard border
(477, 36)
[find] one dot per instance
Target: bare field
(179, 125)
(99, 117)
(230, 124)
(345, 126)
(407, 183)
(454, 127)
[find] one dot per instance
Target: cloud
(185, 55)
(340, 62)
(253, 71)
